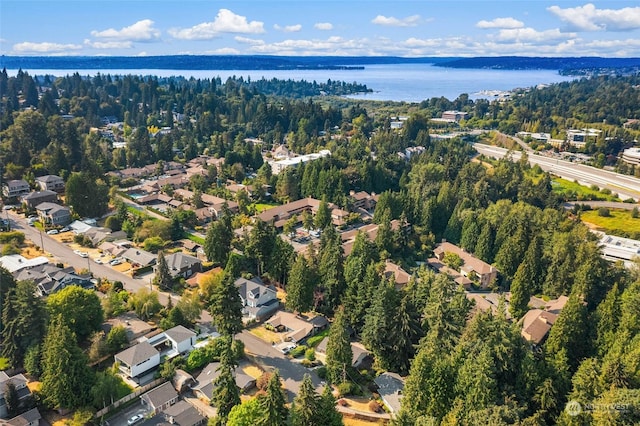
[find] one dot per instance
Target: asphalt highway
(625, 186)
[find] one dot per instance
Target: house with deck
(51, 183)
(259, 301)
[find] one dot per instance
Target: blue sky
(312, 27)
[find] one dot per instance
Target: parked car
(135, 419)
(65, 229)
(115, 262)
(98, 261)
(81, 253)
(53, 232)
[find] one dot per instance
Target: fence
(129, 397)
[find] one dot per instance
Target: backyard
(618, 220)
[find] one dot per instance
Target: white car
(81, 253)
(98, 261)
(135, 419)
(115, 262)
(53, 232)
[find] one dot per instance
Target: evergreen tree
(525, 281)
(405, 335)
(331, 268)
(484, 246)
(329, 415)
(10, 333)
(323, 215)
(470, 233)
(11, 399)
(339, 353)
(66, 377)
(306, 407)
(274, 403)
(569, 332)
(163, 278)
(226, 306)
(226, 394)
(358, 296)
(217, 243)
(300, 286)
(378, 326)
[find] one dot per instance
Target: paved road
(625, 186)
(270, 358)
(597, 204)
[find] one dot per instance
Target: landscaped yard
(266, 335)
(260, 207)
(573, 191)
(619, 220)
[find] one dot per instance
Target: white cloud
(225, 51)
(531, 35)
(247, 40)
(323, 26)
(590, 18)
(45, 47)
(225, 22)
(288, 28)
(140, 31)
(409, 21)
(108, 44)
(500, 23)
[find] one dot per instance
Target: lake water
(394, 82)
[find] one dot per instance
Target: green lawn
(260, 207)
(195, 238)
(4, 364)
(620, 220)
(573, 191)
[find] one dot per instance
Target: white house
(146, 355)
(258, 300)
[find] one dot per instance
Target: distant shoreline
(242, 62)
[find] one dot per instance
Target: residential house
(50, 278)
(20, 383)
(199, 277)
(51, 183)
(390, 387)
(182, 381)
(362, 200)
(16, 262)
(98, 235)
(279, 215)
(29, 418)
(34, 198)
(183, 265)
(361, 358)
(183, 414)
(139, 258)
(371, 231)
(53, 214)
(537, 322)
(297, 328)
(472, 267)
(146, 355)
(400, 276)
(204, 382)
(191, 246)
(216, 204)
(259, 301)
(160, 398)
(15, 188)
(134, 327)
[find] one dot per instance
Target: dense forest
(462, 366)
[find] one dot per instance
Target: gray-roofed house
(360, 358)
(51, 182)
(20, 383)
(28, 418)
(204, 382)
(138, 359)
(98, 235)
(50, 278)
(160, 398)
(183, 414)
(15, 188)
(259, 301)
(390, 387)
(181, 264)
(139, 258)
(53, 214)
(34, 198)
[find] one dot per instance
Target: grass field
(195, 239)
(573, 191)
(619, 220)
(260, 207)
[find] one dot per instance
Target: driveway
(269, 358)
